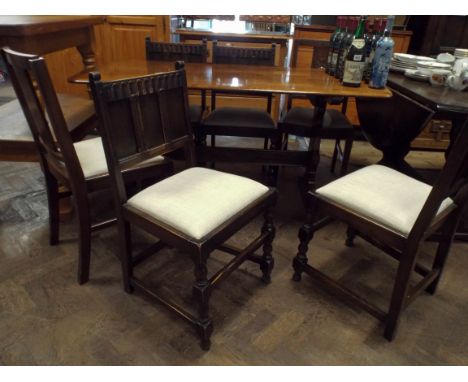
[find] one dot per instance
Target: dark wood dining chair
(197, 209)
(80, 166)
(241, 121)
(168, 51)
(298, 120)
(395, 213)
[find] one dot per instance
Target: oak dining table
(312, 83)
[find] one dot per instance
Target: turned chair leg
(84, 222)
(202, 292)
(350, 236)
(125, 250)
(213, 144)
(335, 155)
(200, 141)
(267, 259)
(300, 261)
(53, 202)
(346, 155)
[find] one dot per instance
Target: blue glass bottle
(383, 57)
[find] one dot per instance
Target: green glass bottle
(356, 57)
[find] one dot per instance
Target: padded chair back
(142, 117)
(37, 97)
(452, 182)
(319, 52)
(166, 51)
(243, 56)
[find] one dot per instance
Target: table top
(441, 99)
(265, 79)
(33, 25)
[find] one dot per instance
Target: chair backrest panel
(319, 52)
(167, 51)
(42, 109)
(243, 56)
(143, 116)
(19, 68)
(452, 182)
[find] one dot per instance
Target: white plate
(404, 57)
(411, 58)
(398, 70)
(416, 75)
(433, 65)
(425, 58)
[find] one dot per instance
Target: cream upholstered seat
(192, 202)
(383, 195)
(92, 158)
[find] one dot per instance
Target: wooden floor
(46, 318)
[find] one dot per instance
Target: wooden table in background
(445, 102)
(46, 34)
(40, 35)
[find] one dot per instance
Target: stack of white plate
(416, 75)
(461, 53)
(402, 61)
(398, 66)
(426, 67)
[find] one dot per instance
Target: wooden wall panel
(128, 42)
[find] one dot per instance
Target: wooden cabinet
(435, 136)
(126, 35)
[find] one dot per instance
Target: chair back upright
(320, 50)
(243, 56)
(319, 60)
(38, 99)
(141, 118)
(452, 182)
(166, 51)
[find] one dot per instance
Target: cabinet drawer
(436, 136)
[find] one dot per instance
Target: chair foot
(83, 278)
(350, 236)
(389, 333)
(297, 276)
(432, 288)
(267, 265)
(266, 279)
(129, 289)
(205, 329)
